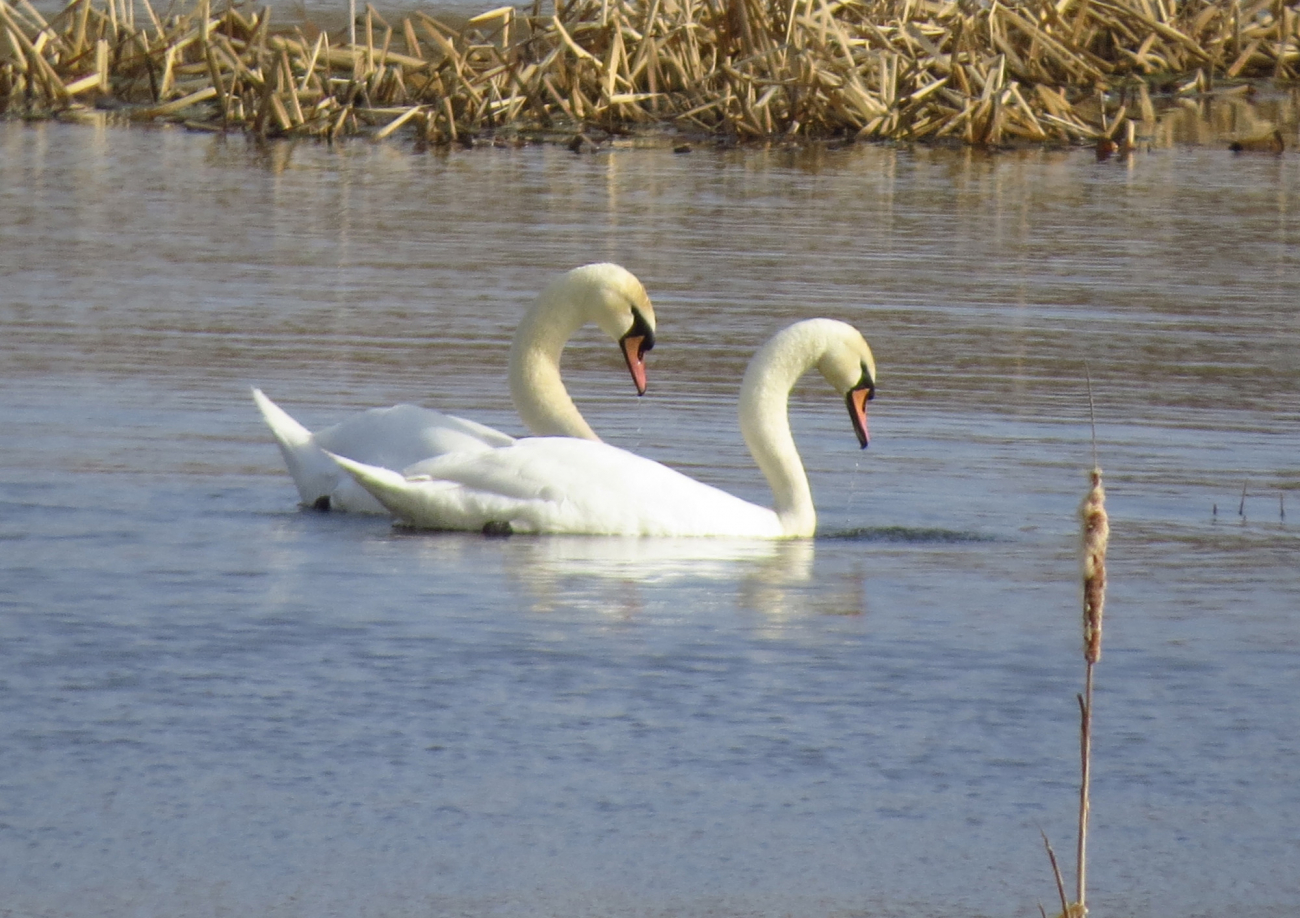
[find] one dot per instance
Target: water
(214, 703)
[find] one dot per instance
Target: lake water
(214, 703)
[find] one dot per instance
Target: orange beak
(639, 339)
(634, 353)
(857, 401)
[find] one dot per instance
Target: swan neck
(765, 424)
(536, 388)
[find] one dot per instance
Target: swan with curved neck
(394, 438)
(554, 485)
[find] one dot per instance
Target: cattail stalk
(1096, 534)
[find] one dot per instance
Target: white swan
(553, 485)
(396, 437)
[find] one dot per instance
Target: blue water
(212, 702)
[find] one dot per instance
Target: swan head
(613, 298)
(848, 365)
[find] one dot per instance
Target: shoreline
(1088, 72)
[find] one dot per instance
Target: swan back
(606, 294)
(561, 485)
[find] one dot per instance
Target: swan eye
(641, 329)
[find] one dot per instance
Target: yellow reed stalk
(1036, 131)
(158, 29)
(337, 127)
(324, 79)
(76, 87)
(234, 62)
(504, 14)
(168, 84)
(383, 53)
(579, 52)
(79, 29)
(398, 122)
(310, 68)
(412, 43)
(19, 61)
(1073, 128)
(168, 108)
(101, 64)
(577, 98)
(451, 118)
(616, 59)
(991, 132)
(291, 88)
(1244, 58)
(444, 44)
(370, 44)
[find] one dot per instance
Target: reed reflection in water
(214, 701)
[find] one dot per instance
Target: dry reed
(1032, 71)
(1095, 538)
(1096, 535)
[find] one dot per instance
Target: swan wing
(562, 485)
(387, 437)
(404, 434)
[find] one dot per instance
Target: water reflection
(609, 576)
(1240, 114)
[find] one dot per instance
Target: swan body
(397, 437)
(564, 485)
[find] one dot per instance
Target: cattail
(1096, 533)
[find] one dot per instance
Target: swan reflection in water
(623, 577)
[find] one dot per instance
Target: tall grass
(1032, 71)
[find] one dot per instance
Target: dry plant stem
(1056, 872)
(1096, 535)
(1085, 787)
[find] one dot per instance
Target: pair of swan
(580, 485)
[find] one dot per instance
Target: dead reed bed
(972, 71)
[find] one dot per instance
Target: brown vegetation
(970, 71)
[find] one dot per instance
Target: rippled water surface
(212, 702)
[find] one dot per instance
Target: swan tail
(288, 432)
(314, 474)
(419, 501)
(386, 486)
